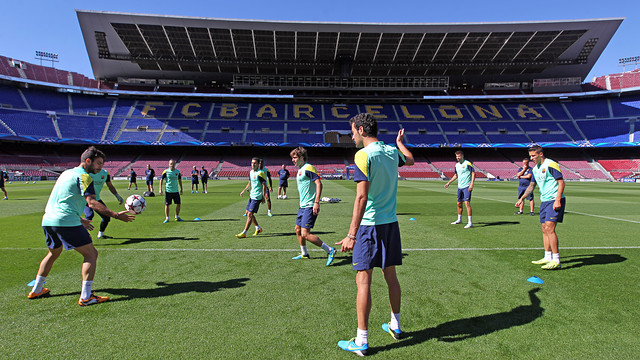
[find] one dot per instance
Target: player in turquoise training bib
(173, 189)
(548, 177)
(257, 195)
(269, 188)
(466, 176)
(63, 224)
(310, 189)
(374, 235)
(99, 180)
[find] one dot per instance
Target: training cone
(414, 219)
(535, 280)
(196, 219)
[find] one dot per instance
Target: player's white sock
(100, 234)
(362, 337)
(459, 217)
(395, 321)
(167, 218)
(556, 258)
(257, 227)
(269, 211)
(547, 255)
(469, 217)
(244, 232)
(303, 250)
(326, 247)
(37, 287)
(86, 290)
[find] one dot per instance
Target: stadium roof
(204, 49)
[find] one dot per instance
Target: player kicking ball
(63, 225)
(310, 189)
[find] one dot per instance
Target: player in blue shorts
(204, 178)
(466, 176)
(132, 179)
(101, 178)
(63, 224)
(310, 189)
(547, 174)
(150, 174)
(3, 176)
(374, 235)
(257, 195)
(267, 175)
(524, 179)
(173, 179)
(283, 184)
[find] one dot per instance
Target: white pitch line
(318, 250)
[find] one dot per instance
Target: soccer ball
(135, 204)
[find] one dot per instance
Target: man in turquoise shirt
(258, 194)
(310, 189)
(547, 174)
(172, 178)
(374, 235)
(466, 176)
(99, 180)
(63, 224)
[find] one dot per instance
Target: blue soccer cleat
(350, 345)
(298, 257)
(165, 221)
(331, 255)
(179, 219)
(397, 333)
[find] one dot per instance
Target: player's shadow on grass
(203, 220)
(576, 261)
(268, 234)
(141, 240)
(296, 214)
(464, 329)
(168, 289)
(495, 223)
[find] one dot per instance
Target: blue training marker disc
(413, 219)
(535, 280)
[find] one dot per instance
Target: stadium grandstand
(214, 92)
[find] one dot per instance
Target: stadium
(216, 92)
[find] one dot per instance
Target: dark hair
(300, 152)
(460, 152)
(257, 159)
(536, 148)
(368, 122)
(92, 153)
(526, 159)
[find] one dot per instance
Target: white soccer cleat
(456, 222)
(469, 225)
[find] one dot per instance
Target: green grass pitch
(192, 290)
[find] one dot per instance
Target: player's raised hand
(400, 136)
(125, 216)
(87, 224)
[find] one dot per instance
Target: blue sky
(26, 26)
